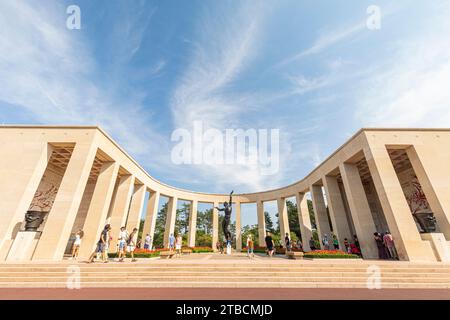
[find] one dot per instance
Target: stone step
(220, 279)
(187, 273)
(214, 284)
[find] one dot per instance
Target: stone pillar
(58, 226)
(98, 208)
(238, 227)
(359, 209)
(151, 215)
(120, 208)
(261, 223)
(283, 218)
(136, 207)
(192, 223)
(171, 217)
(408, 241)
(336, 209)
(22, 167)
(320, 212)
(304, 220)
(431, 167)
(215, 227)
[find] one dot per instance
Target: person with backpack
(102, 245)
(131, 243)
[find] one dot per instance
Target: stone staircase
(226, 273)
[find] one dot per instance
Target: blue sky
(141, 69)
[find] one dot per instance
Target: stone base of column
(23, 246)
(441, 247)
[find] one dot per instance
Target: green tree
(269, 222)
(160, 227)
(203, 235)
(253, 230)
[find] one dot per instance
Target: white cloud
(411, 89)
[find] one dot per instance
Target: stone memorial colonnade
(95, 181)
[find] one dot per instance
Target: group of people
(126, 244)
(175, 243)
(385, 245)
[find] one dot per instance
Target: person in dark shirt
(269, 244)
(288, 243)
(312, 244)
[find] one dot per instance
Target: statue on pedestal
(33, 219)
(226, 220)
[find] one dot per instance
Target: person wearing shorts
(178, 244)
(250, 246)
(123, 237)
(269, 244)
(101, 245)
(77, 244)
(171, 242)
(131, 244)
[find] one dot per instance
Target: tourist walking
(389, 243)
(299, 245)
(356, 242)
(123, 239)
(101, 245)
(76, 244)
(347, 245)
(131, 243)
(269, 244)
(171, 243)
(325, 243)
(312, 244)
(287, 243)
(335, 242)
(178, 244)
(380, 246)
(250, 246)
(147, 242)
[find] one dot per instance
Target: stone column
(359, 209)
(192, 223)
(238, 227)
(120, 207)
(22, 167)
(320, 212)
(215, 228)
(170, 220)
(261, 223)
(336, 209)
(58, 225)
(408, 242)
(431, 167)
(151, 215)
(136, 207)
(283, 218)
(98, 208)
(304, 220)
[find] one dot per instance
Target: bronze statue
(226, 220)
(33, 219)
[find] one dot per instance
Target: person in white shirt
(131, 243)
(147, 241)
(77, 244)
(123, 237)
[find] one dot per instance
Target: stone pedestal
(23, 246)
(229, 249)
(441, 247)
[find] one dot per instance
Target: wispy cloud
(49, 72)
(411, 88)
